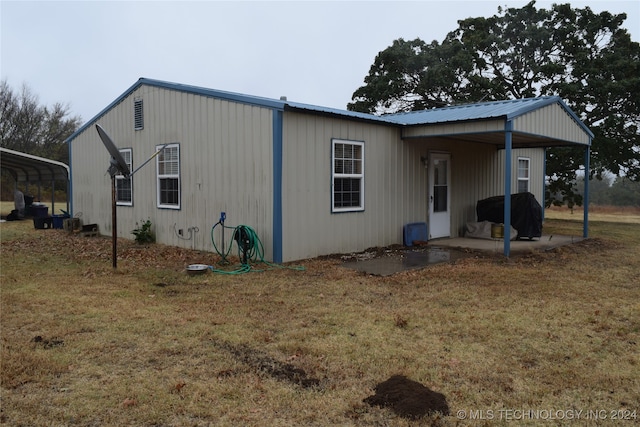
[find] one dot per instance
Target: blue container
(58, 221)
(415, 232)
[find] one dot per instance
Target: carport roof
(29, 168)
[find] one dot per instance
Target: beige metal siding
(477, 172)
(394, 187)
(225, 165)
(396, 184)
(474, 176)
(455, 128)
(551, 121)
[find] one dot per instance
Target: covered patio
(522, 123)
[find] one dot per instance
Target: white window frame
(352, 171)
(127, 155)
(524, 177)
(168, 175)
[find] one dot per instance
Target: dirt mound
(408, 398)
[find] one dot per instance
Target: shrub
(143, 232)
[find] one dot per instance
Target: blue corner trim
(277, 185)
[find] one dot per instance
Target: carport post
(508, 128)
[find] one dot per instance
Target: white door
(439, 224)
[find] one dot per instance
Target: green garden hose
(250, 249)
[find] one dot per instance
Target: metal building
(310, 180)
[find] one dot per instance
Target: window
(347, 175)
(523, 174)
(138, 117)
(124, 186)
(168, 173)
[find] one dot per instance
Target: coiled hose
(250, 249)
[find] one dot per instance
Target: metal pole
(114, 224)
(508, 142)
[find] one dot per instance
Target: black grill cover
(526, 213)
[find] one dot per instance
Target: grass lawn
(547, 338)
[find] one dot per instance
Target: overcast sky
(86, 53)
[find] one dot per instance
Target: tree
(618, 192)
(583, 57)
(625, 192)
(28, 127)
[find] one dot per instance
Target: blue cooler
(415, 232)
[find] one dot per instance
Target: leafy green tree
(587, 59)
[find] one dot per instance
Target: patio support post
(587, 172)
(508, 128)
(544, 181)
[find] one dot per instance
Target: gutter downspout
(508, 135)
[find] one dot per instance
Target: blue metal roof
(508, 109)
(482, 111)
(345, 113)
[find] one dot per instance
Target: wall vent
(138, 117)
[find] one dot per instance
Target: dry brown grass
(629, 214)
(147, 345)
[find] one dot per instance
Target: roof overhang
(29, 168)
(544, 122)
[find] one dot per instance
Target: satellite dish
(118, 164)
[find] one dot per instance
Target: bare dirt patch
(47, 343)
(263, 363)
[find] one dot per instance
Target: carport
(521, 123)
(29, 169)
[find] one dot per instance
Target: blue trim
(508, 127)
(587, 172)
(277, 184)
(548, 101)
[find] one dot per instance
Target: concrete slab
(544, 243)
(448, 250)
